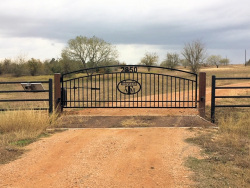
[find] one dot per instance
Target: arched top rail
(124, 66)
(149, 73)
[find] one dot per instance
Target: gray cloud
(220, 24)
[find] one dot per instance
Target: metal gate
(129, 86)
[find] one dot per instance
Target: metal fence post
(202, 94)
(213, 100)
(50, 96)
(57, 92)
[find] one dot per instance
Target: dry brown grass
(19, 125)
(134, 123)
(20, 128)
(227, 152)
(239, 126)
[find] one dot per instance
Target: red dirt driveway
(132, 157)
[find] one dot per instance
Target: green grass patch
(22, 143)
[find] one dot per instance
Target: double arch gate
(129, 86)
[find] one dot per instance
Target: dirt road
(137, 157)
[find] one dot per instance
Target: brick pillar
(202, 93)
(57, 92)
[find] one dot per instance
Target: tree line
(194, 57)
(83, 52)
(35, 67)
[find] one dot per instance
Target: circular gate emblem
(129, 87)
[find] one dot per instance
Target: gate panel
(130, 87)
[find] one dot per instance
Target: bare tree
(149, 59)
(91, 51)
(194, 53)
(214, 60)
(224, 61)
(171, 61)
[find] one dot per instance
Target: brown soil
(132, 112)
(137, 157)
(8, 153)
(80, 121)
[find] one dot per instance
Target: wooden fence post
(57, 91)
(202, 94)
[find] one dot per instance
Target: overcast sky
(41, 28)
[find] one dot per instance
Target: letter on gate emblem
(129, 87)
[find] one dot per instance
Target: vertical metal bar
(120, 92)
(196, 90)
(154, 90)
(158, 90)
(179, 92)
(133, 95)
(50, 96)
(70, 91)
(116, 88)
(167, 92)
(141, 90)
(137, 93)
(175, 88)
(171, 91)
(91, 91)
(108, 88)
(146, 97)
(87, 91)
(162, 80)
(83, 91)
(103, 78)
(213, 99)
(78, 93)
(150, 89)
(124, 95)
(192, 93)
(184, 92)
(188, 93)
(112, 90)
(129, 91)
(95, 90)
(99, 90)
(74, 92)
(64, 93)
